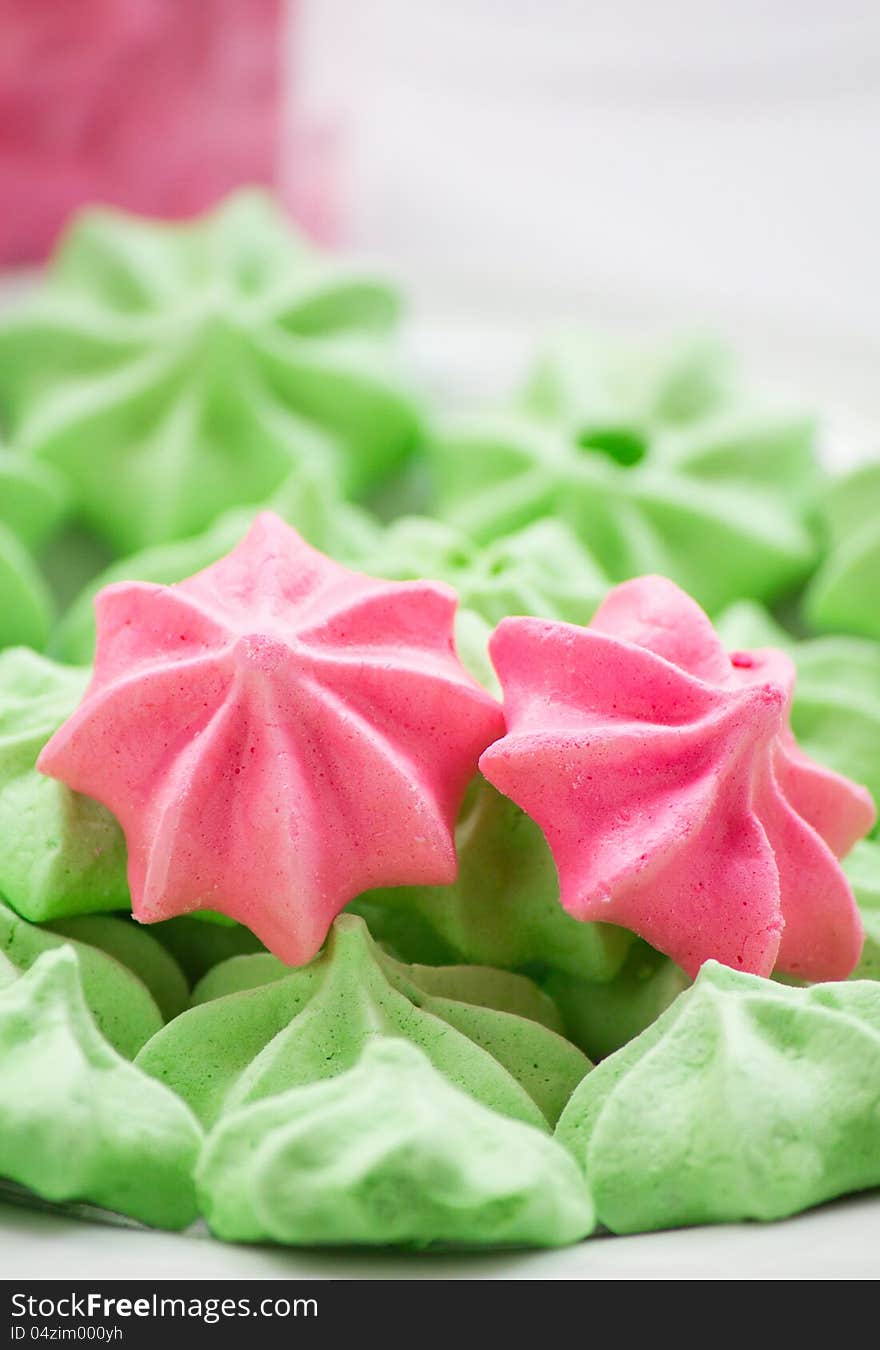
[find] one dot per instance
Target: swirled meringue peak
(745, 1100)
(258, 1028)
(388, 1152)
(79, 1122)
(673, 795)
(173, 371)
(276, 735)
(842, 597)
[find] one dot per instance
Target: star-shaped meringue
(676, 802)
(275, 735)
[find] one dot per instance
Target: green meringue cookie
(681, 404)
(173, 371)
(540, 570)
(197, 944)
(601, 1017)
(388, 1152)
(60, 853)
(313, 1023)
(26, 608)
(32, 503)
(862, 867)
(307, 500)
(136, 948)
(842, 597)
(719, 539)
(120, 1002)
(746, 1099)
(479, 985)
(78, 1122)
(503, 910)
(836, 709)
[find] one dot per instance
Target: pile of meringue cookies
(417, 832)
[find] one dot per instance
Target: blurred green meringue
(33, 500)
(311, 1023)
(79, 1122)
(746, 1099)
(60, 853)
(171, 371)
(26, 608)
(119, 1000)
(540, 570)
(388, 1152)
(307, 500)
(843, 595)
(135, 947)
(618, 393)
(658, 463)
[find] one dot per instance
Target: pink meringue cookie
(275, 735)
(671, 790)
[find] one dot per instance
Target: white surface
(840, 1241)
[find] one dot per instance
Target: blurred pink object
(157, 106)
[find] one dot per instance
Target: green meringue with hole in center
(681, 405)
(836, 710)
(79, 1122)
(119, 999)
(313, 1022)
(503, 909)
(307, 500)
(171, 371)
(602, 1016)
(746, 1099)
(61, 853)
(388, 1153)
